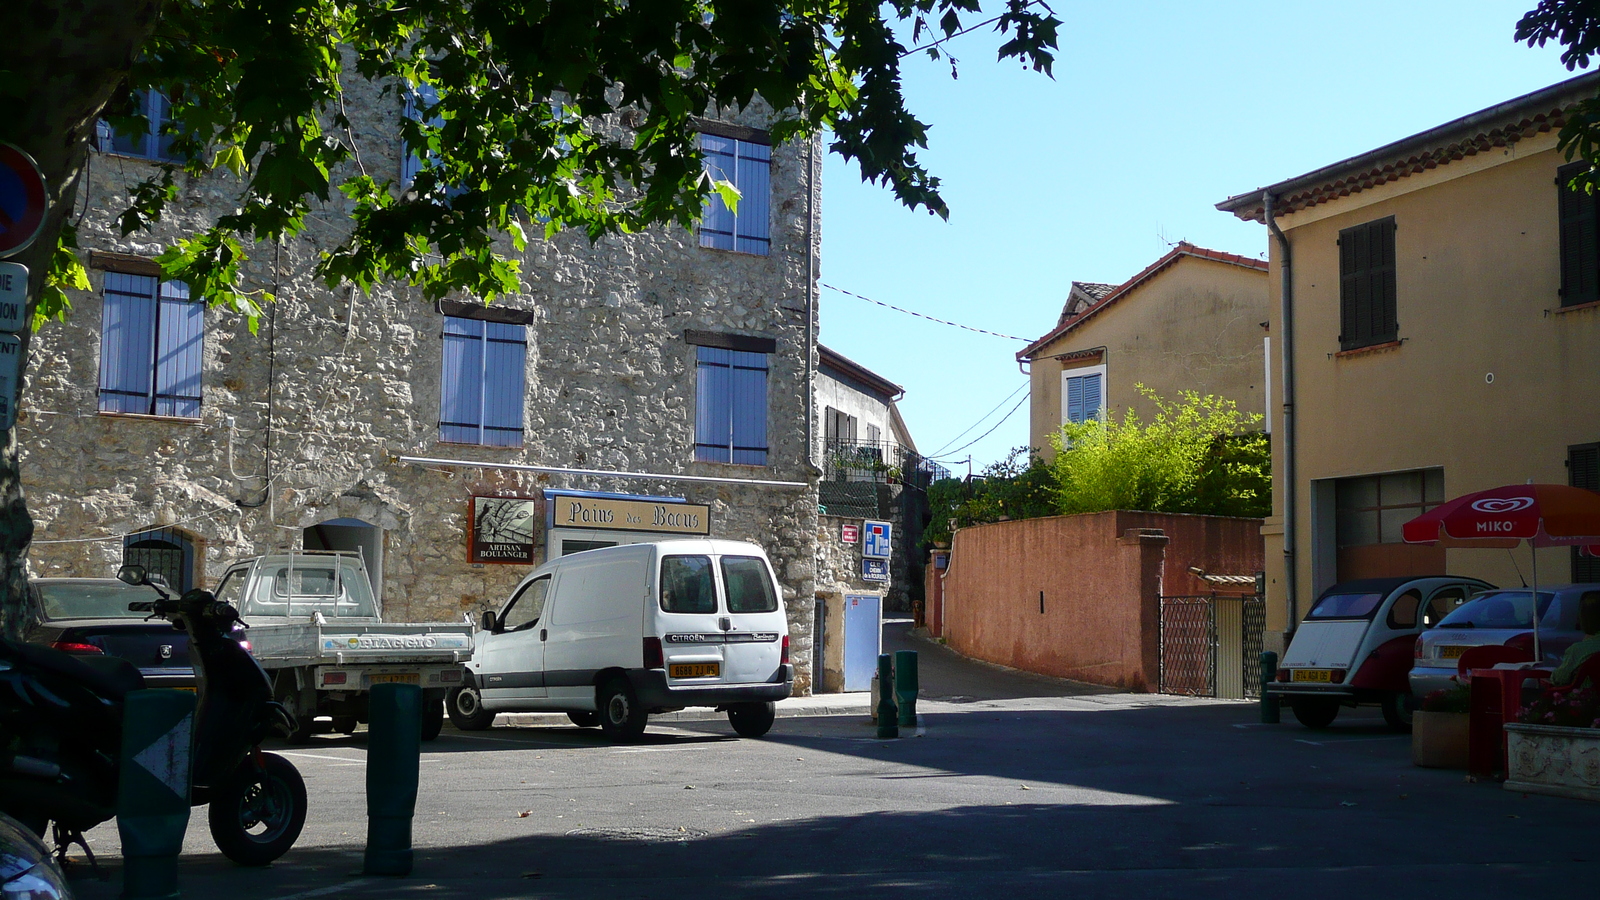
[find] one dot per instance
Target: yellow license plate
(1324, 676)
(189, 689)
(1451, 652)
(694, 670)
(404, 678)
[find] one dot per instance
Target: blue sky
(1157, 111)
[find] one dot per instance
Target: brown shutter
(1583, 470)
(1367, 308)
(1580, 248)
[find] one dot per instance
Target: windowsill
(1577, 307)
(1370, 348)
(767, 255)
(516, 447)
(149, 159)
(743, 467)
(175, 420)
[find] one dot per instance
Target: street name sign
(13, 296)
(10, 374)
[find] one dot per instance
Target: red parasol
(1544, 515)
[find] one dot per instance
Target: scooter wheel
(256, 815)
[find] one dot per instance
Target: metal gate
(1211, 644)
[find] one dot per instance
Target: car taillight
(245, 644)
(75, 647)
(1416, 649)
(1283, 674)
(652, 654)
(785, 657)
(1523, 642)
(450, 675)
(334, 677)
(1336, 676)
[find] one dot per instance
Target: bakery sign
(502, 530)
(616, 514)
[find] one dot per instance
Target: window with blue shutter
(748, 164)
(483, 383)
(152, 344)
(1082, 396)
(149, 143)
(422, 97)
(731, 406)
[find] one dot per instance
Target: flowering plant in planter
(1576, 708)
(1454, 699)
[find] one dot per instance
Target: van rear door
(689, 621)
(755, 620)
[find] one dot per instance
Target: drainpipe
(1286, 347)
(811, 302)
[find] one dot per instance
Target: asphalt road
(1096, 795)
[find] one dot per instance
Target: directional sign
(13, 296)
(10, 375)
(879, 535)
(22, 200)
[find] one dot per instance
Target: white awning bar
(597, 473)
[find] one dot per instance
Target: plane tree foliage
(1575, 26)
(515, 89)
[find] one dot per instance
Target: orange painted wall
(1101, 575)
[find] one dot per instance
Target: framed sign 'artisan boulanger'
(501, 530)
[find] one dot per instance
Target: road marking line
(343, 759)
(324, 891)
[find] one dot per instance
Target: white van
(610, 636)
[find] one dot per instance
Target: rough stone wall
(839, 564)
(304, 421)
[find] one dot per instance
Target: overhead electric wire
(1009, 337)
(986, 433)
(981, 420)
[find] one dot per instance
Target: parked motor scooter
(61, 734)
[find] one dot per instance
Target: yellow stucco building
(1436, 313)
(1195, 319)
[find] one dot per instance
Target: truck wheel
(1315, 713)
(621, 717)
(305, 720)
(256, 814)
(345, 724)
(752, 720)
(466, 709)
(432, 714)
(1397, 709)
(584, 719)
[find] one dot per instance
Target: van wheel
(752, 720)
(621, 717)
(466, 709)
(432, 714)
(584, 719)
(1315, 713)
(1397, 709)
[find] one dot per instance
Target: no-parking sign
(23, 202)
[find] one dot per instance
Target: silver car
(1502, 617)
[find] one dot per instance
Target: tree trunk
(62, 61)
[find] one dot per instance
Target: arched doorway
(350, 536)
(168, 552)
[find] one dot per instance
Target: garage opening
(350, 536)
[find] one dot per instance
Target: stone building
(642, 385)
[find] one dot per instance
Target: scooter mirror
(131, 574)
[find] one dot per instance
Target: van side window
(1403, 614)
(1442, 604)
(231, 590)
(526, 607)
(749, 588)
(686, 585)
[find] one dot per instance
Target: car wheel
(305, 720)
(466, 709)
(584, 719)
(432, 714)
(1397, 710)
(257, 813)
(621, 717)
(752, 720)
(345, 724)
(1314, 712)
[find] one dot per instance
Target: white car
(610, 636)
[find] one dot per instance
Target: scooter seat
(109, 676)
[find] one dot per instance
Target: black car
(90, 617)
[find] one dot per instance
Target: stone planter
(1439, 740)
(1547, 759)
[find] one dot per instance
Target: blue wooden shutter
(1074, 399)
(127, 343)
(412, 160)
(717, 224)
(748, 389)
(713, 416)
(180, 350)
(461, 383)
(505, 356)
(1093, 399)
(755, 188)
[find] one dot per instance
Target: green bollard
(394, 761)
(905, 686)
(888, 712)
(1269, 702)
(153, 790)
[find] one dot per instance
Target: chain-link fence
(1195, 640)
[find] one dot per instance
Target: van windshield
(686, 585)
(749, 588)
(1346, 606)
(1501, 609)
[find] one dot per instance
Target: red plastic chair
(1589, 671)
(1489, 656)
